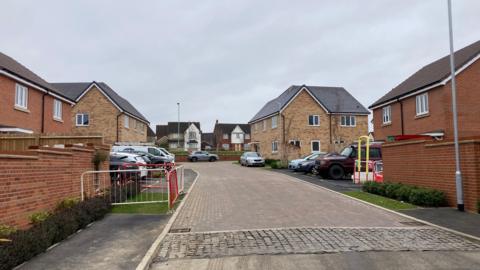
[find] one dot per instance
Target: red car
(340, 165)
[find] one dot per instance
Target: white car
(148, 149)
(295, 164)
(252, 159)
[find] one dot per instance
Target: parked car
(252, 159)
(152, 159)
(148, 149)
(202, 155)
(126, 161)
(295, 164)
(166, 152)
(339, 165)
(308, 166)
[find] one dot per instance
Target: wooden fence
(17, 142)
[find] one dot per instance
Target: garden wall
(37, 179)
(431, 164)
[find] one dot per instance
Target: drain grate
(413, 223)
(180, 230)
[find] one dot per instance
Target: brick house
(305, 119)
(29, 104)
(99, 109)
(422, 104)
(208, 141)
(234, 137)
(189, 138)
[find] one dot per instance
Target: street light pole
(458, 173)
(178, 125)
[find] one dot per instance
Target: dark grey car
(202, 156)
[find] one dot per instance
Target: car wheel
(194, 159)
(212, 159)
(336, 172)
(314, 171)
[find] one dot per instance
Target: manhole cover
(180, 230)
(413, 223)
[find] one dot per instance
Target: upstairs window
(422, 104)
(192, 135)
(57, 109)
(82, 119)
(247, 136)
(274, 121)
(348, 121)
(387, 115)
(126, 121)
(225, 136)
(21, 96)
(313, 120)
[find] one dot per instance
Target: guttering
(20, 80)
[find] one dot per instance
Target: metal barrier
(376, 167)
(144, 184)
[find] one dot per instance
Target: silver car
(202, 155)
(252, 159)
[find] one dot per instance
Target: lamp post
(178, 125)
(458, 173)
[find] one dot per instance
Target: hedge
(407, 193)
(22, 245)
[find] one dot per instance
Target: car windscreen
(346, 152)
(252, 155)
(155, 151)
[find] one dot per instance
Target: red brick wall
(432, 164)
(440, 113)
(37, 180)
(31, 119)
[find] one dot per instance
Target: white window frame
(421, 104)
(319, 145)
(314, 116)
(226, 146)
(225, 136)
(274, 146)
(343, 121)
(57, 109)
(21, 96)
(82, 115)
(126, 121)
(293, 142)
(274, 121)
(264, 123)
(387, 115)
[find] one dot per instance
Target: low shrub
(6, 230)
(25, 244)
(407, 193)
(67, 203)
(38, 217)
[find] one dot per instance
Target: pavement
(117, 242)
(252, 218)
(335, 185)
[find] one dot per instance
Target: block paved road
(235, 214)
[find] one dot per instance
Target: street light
(458, 173)
(178, 125)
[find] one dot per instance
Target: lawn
(380, 200)
(145, 208)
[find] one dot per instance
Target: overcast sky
(225, 59)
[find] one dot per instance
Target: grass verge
(145, 208)
(380, 200)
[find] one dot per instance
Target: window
(315, 146)
(126, 121)
(295, 143)
(264, 122)
(226, 146)
(247, 136)
(21, 96)
(192, 135)
(237, 135)
(274, 146)
(422, 104)
(82, 119)
(348, 121)
(387, 115)
(57, 109)
(274, 121)
(225, 136)
(246, 147)
(313, 120)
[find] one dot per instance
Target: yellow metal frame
(367, 155)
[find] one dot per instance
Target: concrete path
(234, 214)
(116, 242)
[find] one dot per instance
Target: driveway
(234, 214)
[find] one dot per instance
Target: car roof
(124, 154)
